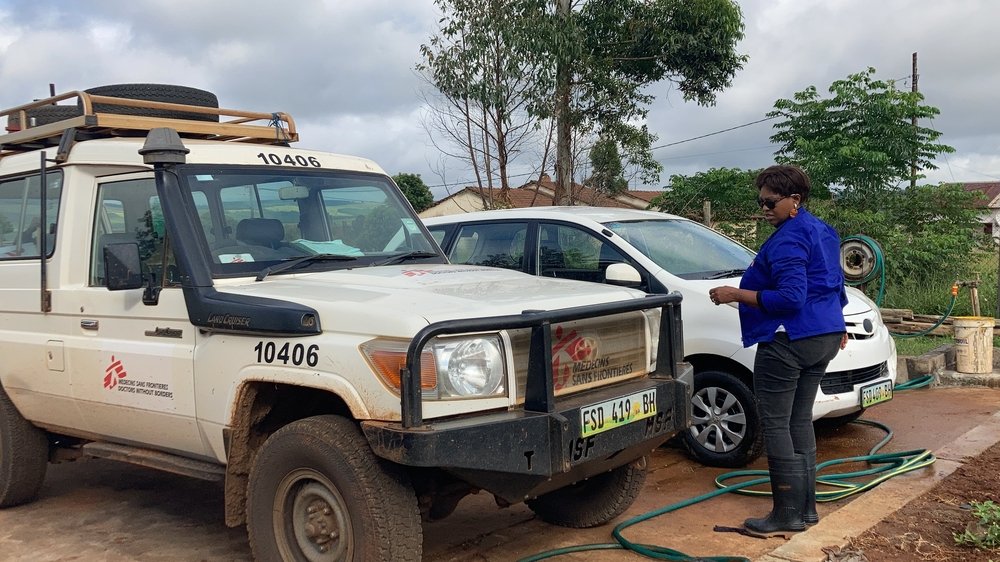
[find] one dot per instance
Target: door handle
(89, 324)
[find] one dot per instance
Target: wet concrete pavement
(102, 510)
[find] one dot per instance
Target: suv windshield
(685, 248)
(253, 220)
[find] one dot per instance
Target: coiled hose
(881, 468)
(878, 271)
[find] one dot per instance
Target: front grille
(843, 381)
(587, 353)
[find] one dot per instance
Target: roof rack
(234, 125)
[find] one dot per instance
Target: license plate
(620, 411)
(875, 393)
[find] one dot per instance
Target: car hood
(857, 302)
(399, 300)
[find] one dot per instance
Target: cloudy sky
(344, 69)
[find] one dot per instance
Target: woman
(791, 301)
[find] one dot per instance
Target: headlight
(470, 367)
(464, 367)
(653, 321)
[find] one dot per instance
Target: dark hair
(784, 180)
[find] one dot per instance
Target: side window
(438, 233)
(571, 253)
(20, 215)
(492, 244)
(204, 215)
(129, 212)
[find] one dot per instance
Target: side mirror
(122, 268)
(622, 274)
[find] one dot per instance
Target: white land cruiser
(182, 290)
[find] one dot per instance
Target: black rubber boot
(788, 491)
(809, 515)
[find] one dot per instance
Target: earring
(794, 212)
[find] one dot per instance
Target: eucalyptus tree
(504, 66)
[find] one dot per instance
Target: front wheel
(24, 456)
(594, 501)
(318, 493)
(725, 425)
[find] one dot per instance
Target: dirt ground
(924, 528)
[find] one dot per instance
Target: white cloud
(344, 69)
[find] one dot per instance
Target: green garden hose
(878, 267)
(882, 467)
(878, 270)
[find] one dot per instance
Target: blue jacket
(799, 282)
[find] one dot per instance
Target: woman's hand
(724, 294)
(843, 341)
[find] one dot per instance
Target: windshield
(255, 219)
(685, 248)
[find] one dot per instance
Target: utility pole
(564, 133)
(913, 165)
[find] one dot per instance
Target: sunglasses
(769, 203)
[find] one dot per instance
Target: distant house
(988, 204)
(537, 193)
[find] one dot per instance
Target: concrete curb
(875, 505)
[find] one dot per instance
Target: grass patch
(920, 345)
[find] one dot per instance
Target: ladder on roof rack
(234, 125)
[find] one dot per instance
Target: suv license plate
(620, 411)
(875, 393)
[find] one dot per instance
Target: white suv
(658, 253)
(182, 289)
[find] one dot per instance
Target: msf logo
(569, 349)
(114, 371)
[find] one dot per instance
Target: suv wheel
(594, 501)
(317, 492)
(725, 425)
(24, 456)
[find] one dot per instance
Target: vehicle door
(569, 251)
(33, 370)
(492, 244)
(134, 369)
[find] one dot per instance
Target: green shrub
(986, 534)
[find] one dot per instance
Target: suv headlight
(470, 367)
(462, 367)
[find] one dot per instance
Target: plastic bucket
(973, 344)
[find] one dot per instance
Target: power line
(715, 133)
(467, 182)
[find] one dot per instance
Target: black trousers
(786, 376)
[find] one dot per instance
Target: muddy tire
(24, 456)
(594, 501)
(725, 425)
(318, 492)
(156, 92)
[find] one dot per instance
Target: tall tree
(861, 138)
(489, 63)
(505, 65)
(415, 190)
(607, 172)
(609, 51)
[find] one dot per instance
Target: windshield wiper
(304, 259)
(400, 258)
(727, 273)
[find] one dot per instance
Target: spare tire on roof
(45, 115)
(156, 92)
